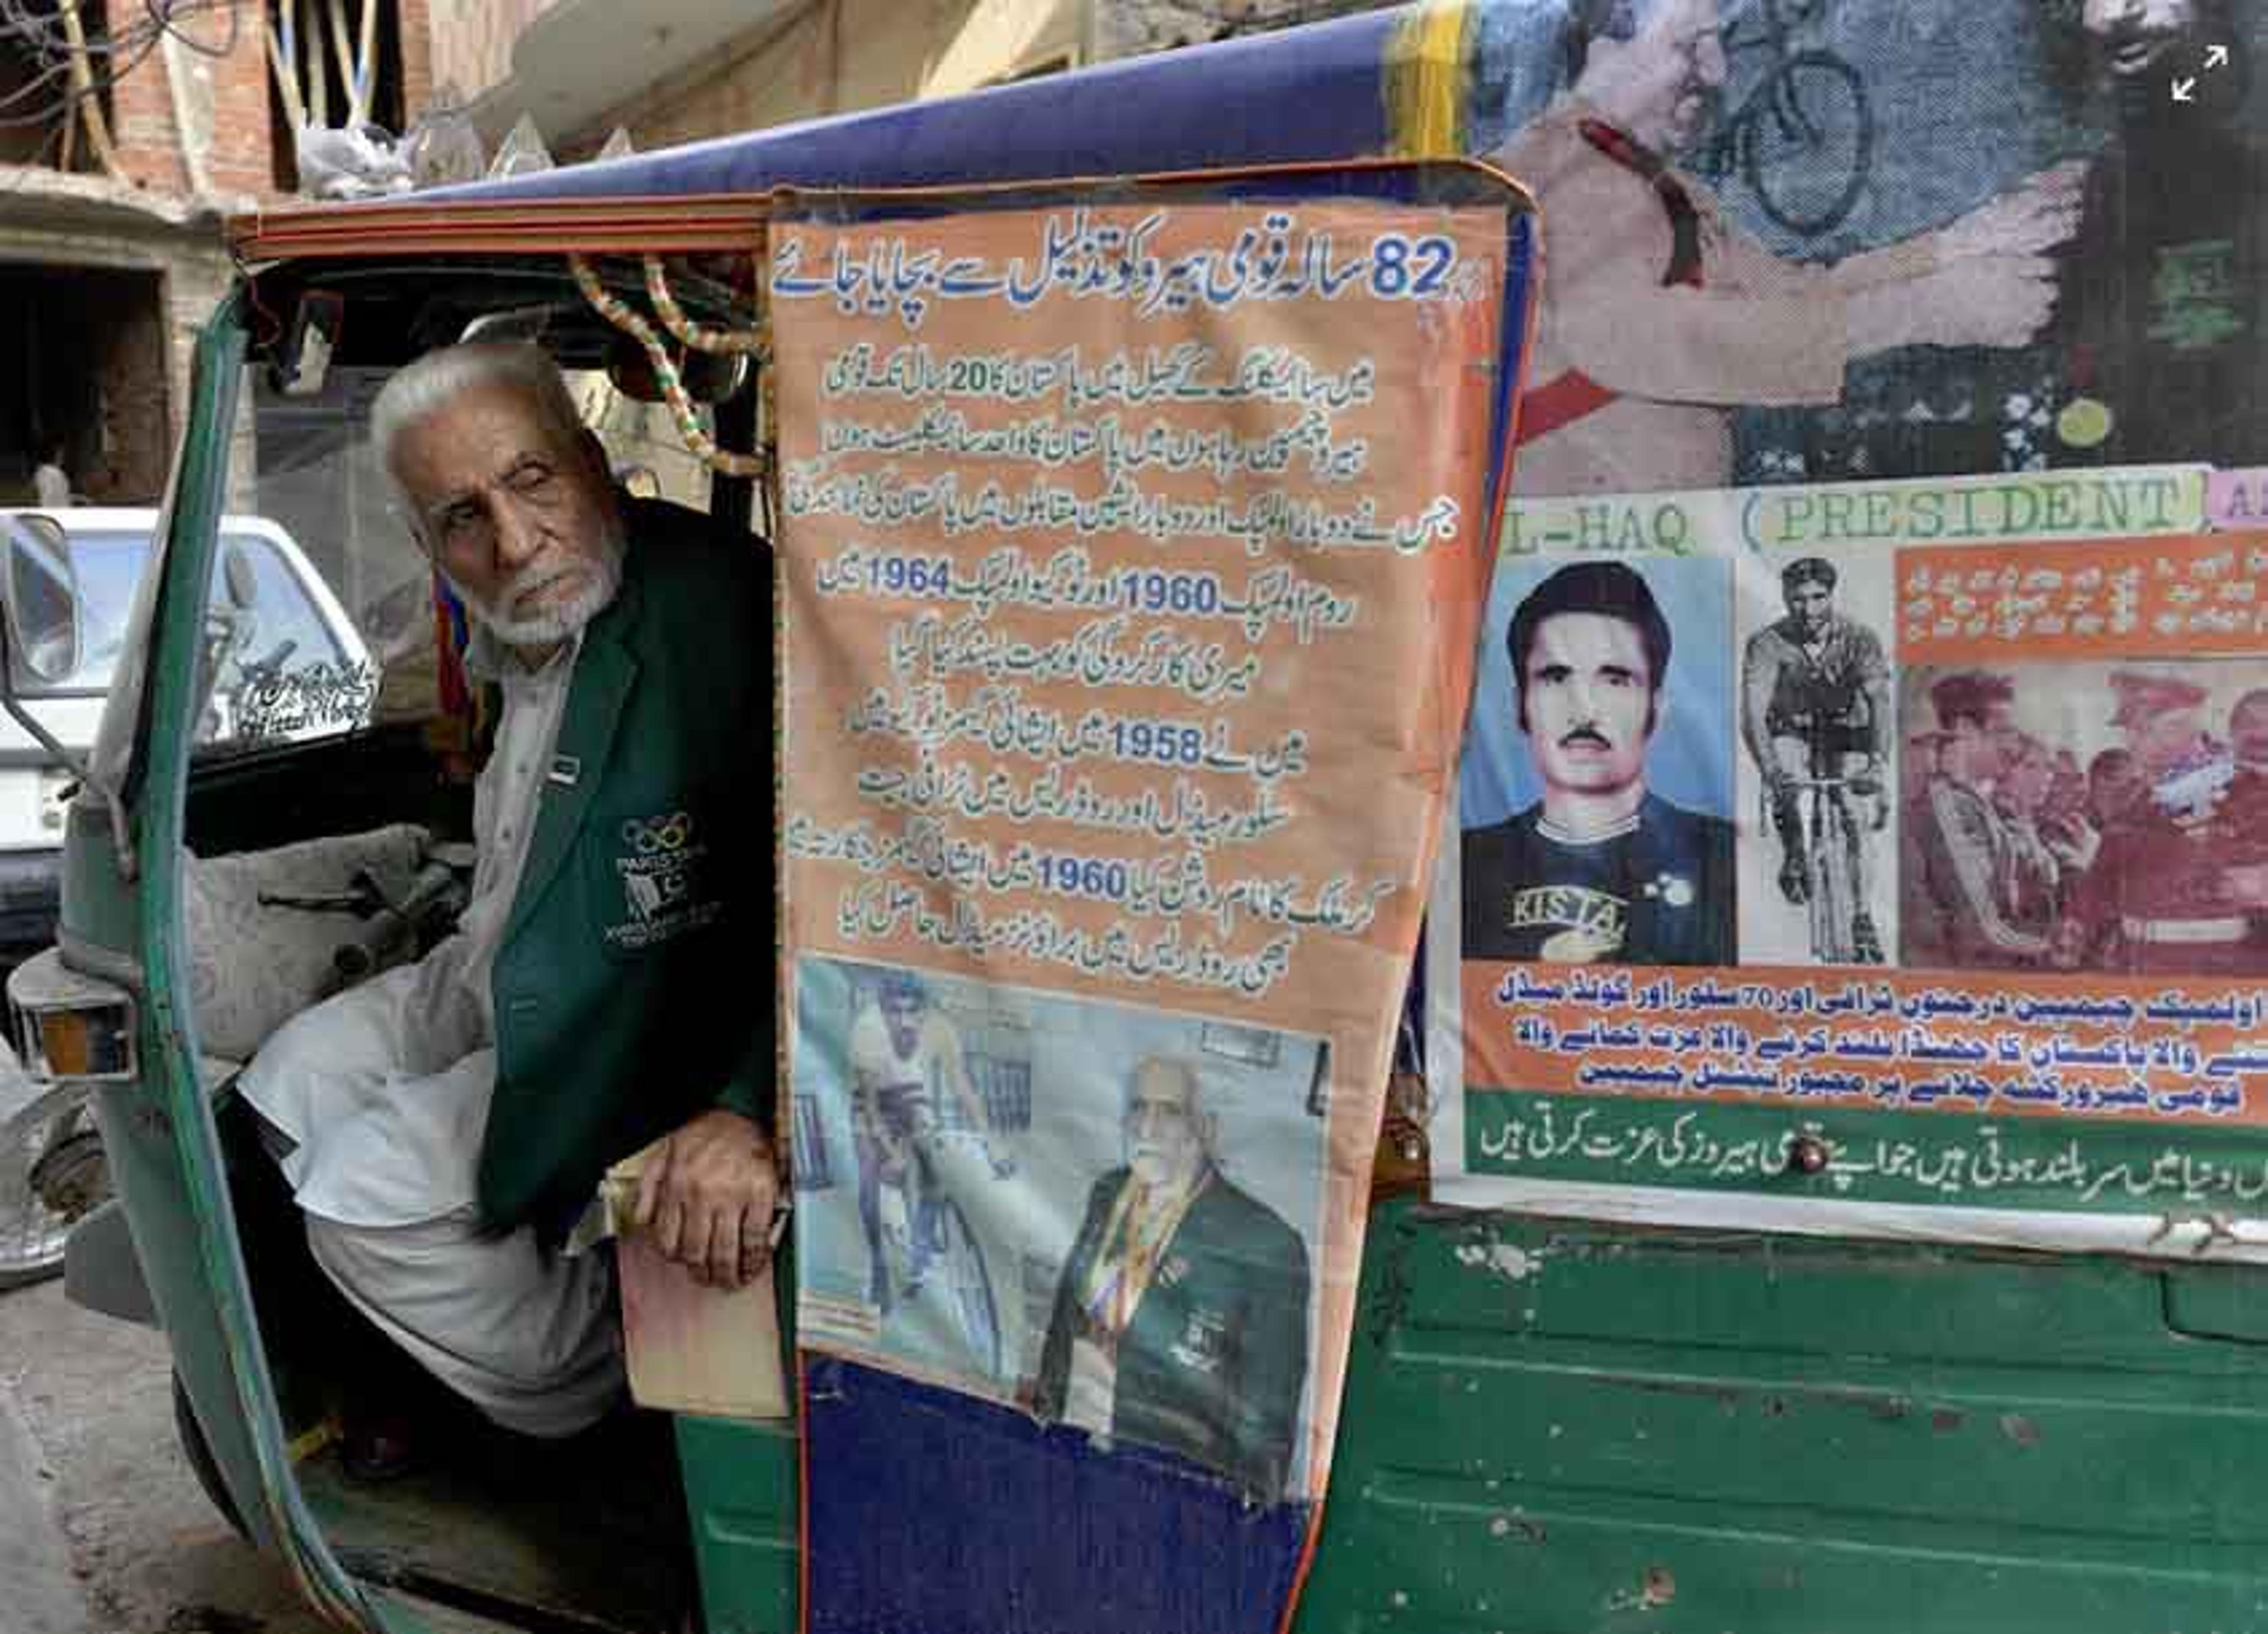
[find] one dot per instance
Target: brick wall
(145, 376)
(142, 125)
(238, 161)
(415, 30)
(224, 97)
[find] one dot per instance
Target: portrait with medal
(1109, 1215)
(1596, 789)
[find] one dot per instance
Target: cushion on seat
(253, 965)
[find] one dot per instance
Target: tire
(971, 1286)
(199, 1453)
(1808, 142)
(1839, 889)
(53, 1133)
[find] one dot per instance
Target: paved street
(36, 1583)
(103, 1529)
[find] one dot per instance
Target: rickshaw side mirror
(706, 377)
(305, 362)
(38, 595)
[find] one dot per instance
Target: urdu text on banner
(1132, 554)
(1825, 855)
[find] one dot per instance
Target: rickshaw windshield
(323, 616)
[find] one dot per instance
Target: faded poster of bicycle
(1105, 1214)
(1817, 764)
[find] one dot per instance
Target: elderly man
(1661, 319)
(447, 1122)
(1601, 868)
(1180, 1320)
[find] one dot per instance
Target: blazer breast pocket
(652, 876)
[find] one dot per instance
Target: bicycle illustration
(1804, 138)
(925, 1255)
(926, 1109)
(1837, 812)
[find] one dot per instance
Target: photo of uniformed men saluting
(1596, 785)
(2106, 817)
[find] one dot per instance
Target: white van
(288, 665)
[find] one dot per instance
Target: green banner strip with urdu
(2113, 1166)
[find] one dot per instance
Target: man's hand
(1986, 300)
(2027, 220)
(708, 1195)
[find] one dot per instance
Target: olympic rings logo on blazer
(651, 836)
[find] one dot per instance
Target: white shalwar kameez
(385, 1090)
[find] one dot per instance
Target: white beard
(555, 624)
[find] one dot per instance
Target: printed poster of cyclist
(1819, 241)
(1817, 761)
(1999, 843)
(1105, 1214)
(1977, 284)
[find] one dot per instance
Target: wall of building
(182, 116)
(1135, 27)
(192, 122)
(467, 42)
(139, 254)
(134, 379)
(832, 56)
(840, 56)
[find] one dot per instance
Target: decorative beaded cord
(689, 429)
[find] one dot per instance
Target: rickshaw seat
(253, 965)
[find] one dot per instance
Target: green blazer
(634, 984)
(1212, 1362)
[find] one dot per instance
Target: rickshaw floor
(588, 1535)
(567, 1537)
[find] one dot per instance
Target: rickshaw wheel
(199, 1452)
(51, 1171)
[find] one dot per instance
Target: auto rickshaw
(1772, 1360)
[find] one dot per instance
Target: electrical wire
(40, 38)
(163, 15)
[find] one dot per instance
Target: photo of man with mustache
(1600, 867)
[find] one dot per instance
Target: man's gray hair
(425, 388)
(1192, 1092)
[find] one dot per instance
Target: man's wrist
(739, 1095)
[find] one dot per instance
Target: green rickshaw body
(1799, 1385)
